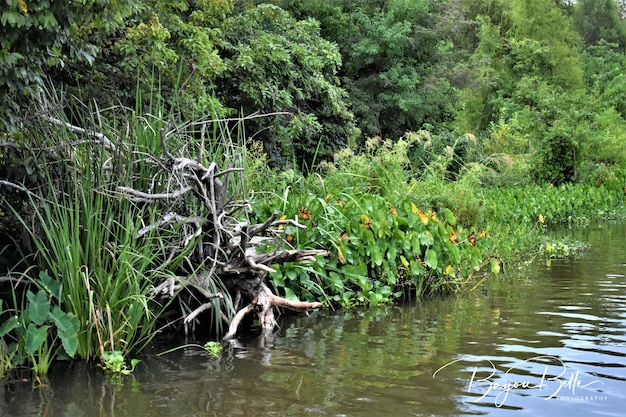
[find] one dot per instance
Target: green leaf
(417, 269)
(426, 238)
(279, 279)
(431, 258)
(10, 324)
(35, 336)
(336, 282)
(134, 363)
(495, 266)
(377, 256)
(51, 285)
(290, 295)
(449, 216)
(38, 307)
(67, 328)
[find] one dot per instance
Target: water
(546, 340)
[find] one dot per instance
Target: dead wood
(208, 209)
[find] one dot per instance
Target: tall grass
(88, 240)
(86, 236)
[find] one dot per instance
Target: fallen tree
(212, 214)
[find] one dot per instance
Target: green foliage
(276, 63)
(600, 20)
(381, 169)
(172, 43)
(398, 59)
(384, 249)
(516, 218)
(41, 331)
(534, 42)
(531, 99)
(364, 209)
(89, 241)
(40, 34)
(564, 204)
(114, 363)
(604, 76)
(214, 348)
(562, 248)
(419, 210)
(543, 35)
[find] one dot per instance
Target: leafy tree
(598, 20)
(40, 34)
(276, 63)
(166, 52)
(395, 53)
(530, 74)
(208, 59)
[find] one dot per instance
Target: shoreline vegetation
(352, 181)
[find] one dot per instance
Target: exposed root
(216, 233)
(263, 306)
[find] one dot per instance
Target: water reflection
(550, 340)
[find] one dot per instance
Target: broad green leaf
(70, 343)
(449, 216)
(10, 324)
(65, 322)
(426, 238)
(35, 336)
(290, 295)
(279, 280)
(292, 274)
(38, 307)
(495, 266)
(377, 256)
(431, 258)
(336, 281)
(134, 363)
(51, 285)
(417, 269)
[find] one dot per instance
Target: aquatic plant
(40, 331)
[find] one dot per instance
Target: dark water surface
(544, 341)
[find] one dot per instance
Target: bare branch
(170, 218)
(191, 316)
(139, 196)
(99, 136)
(16, 186)
(300, 306)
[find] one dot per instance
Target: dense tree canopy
(276, 63)
(598, 20)
(38, 35)
(509, 72)
(395, 55)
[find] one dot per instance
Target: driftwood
(222, 242)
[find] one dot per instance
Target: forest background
(426, 144)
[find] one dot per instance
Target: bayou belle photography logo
(545, 374)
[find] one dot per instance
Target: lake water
(547, 340)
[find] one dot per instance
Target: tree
(598, 20)
(165, 53)
(394, 53)
(529, 74)
(40, 34)
(276, 63)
